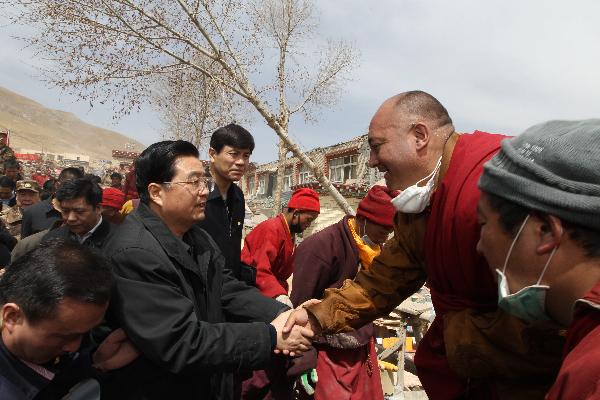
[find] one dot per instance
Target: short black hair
(49, 185)
(232, 135)
(94, 178)
(116, 175)
(82, 187)
(12, 163)
(6, 181)
(156, 164)
(53, 271)
(70, 173)
(512, 215)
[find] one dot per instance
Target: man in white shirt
(79, 201)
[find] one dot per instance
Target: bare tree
(116, 50)
(192, 106)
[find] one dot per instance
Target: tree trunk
(282, 132)
(280, 173)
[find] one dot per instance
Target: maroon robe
(459, 278)
(579, 375)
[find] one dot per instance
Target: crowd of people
(150, 292)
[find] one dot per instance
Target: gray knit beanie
(552, 167)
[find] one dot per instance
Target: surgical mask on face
(295, 227)
(529, 303)
(415, 198)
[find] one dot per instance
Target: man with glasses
(230, 149)
(174, 297)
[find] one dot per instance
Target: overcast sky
(498, 66)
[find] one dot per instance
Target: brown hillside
(34, 126)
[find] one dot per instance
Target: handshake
(295, 330)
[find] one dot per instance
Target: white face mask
(414, 199)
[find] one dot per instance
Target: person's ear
(211, 154)
(550, 232)
(11, 316)
(422, 135)
(155, 192)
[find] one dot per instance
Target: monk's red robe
(459, 278)
(579, 375)
(269, 248)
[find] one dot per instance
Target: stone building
(344, 163)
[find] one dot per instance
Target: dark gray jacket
(224, 222)
(175, 301)
(38, 217)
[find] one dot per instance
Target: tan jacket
(12, 217)
(398, 272)
(507, 345)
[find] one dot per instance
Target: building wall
(330, 213)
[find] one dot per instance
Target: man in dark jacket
(230, 150)
(49, 300)
(79, 201)
(175, 299)
(42, 215)
(346, 363)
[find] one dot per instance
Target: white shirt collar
(85, 236)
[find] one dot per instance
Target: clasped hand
(294, 330)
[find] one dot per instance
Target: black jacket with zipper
(174, 299)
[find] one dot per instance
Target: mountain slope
(34, 126)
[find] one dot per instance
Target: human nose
(70, 216)
(73, 345)
(373, 161)
(204, 190)
(478, 247)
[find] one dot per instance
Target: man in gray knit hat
(540, 231)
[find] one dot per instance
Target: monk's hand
(301, 317)
(116, 351)
(293, 342)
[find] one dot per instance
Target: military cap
(28, 184)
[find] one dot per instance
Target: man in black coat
(49, 299)
(174, 297)
(42, 215)
(79, 201)
(230, 149)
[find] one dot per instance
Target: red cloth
(579, 375)
(458, 277)
(40, 179)
(347, 374)
(377, 206)
(130, 188)
(305, 199)
(271, 383)
(112, 197)
(270, 249)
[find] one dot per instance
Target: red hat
(377, 206)
(112, 197)
(305, 199)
